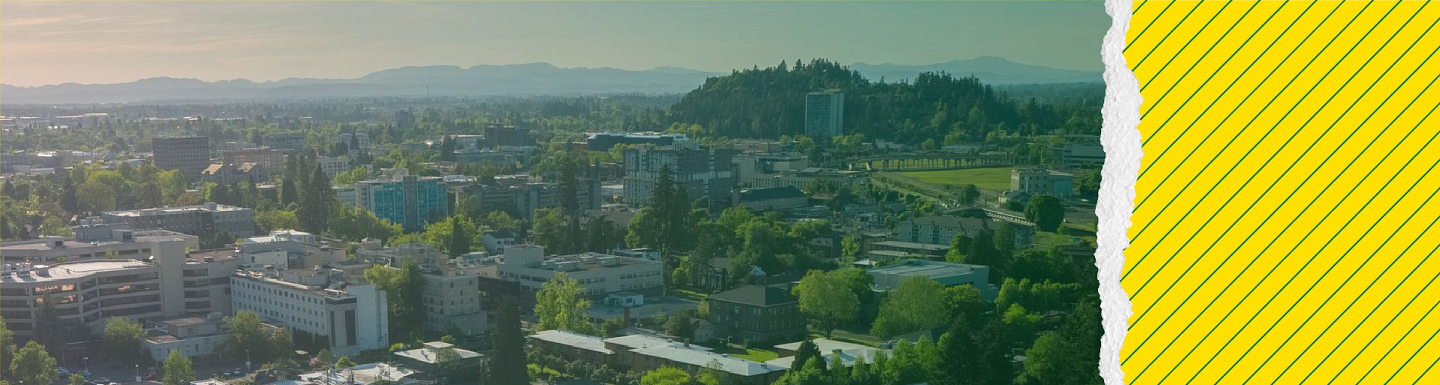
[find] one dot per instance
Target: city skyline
(273, 41)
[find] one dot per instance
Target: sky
(111, 42)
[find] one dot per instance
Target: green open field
(994, 179)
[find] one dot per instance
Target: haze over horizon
(117, 42)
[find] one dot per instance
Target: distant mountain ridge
(489, 80)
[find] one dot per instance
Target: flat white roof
(582, 341)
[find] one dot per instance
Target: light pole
(137, 373)
(247, 360)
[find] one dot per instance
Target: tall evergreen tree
(459, 240)
(509, 368)
(317, 203)
(69, 200)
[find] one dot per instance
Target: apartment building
(703, 174)
(409, 200)
(190, 155)
(520, 195)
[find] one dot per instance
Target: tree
(806, 353)
(827, 299)
(343, 362)
(459, 240)
(958, 247)
(561, 305)
(7, 345)
(969, 194)
(552, 230)
(122, 338)
(1045, 211)
(281, 345)
(96, 196)
(178, 370)
(69, 199)
(448, 361)
(911, 307)
(507, 337)
(849, 250)
(76, 379)
(247, 336)
(666, 376)
(316, 203)
(958, 353)
(32, 365)
(323, 359)
(402, 290)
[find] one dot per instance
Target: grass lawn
(994, 179)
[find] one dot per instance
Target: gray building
(203, 221)
(703, 173)
(824, 113)
(520, 196)
(190, 155)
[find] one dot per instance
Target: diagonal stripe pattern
(1284, 220)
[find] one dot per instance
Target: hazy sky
(108, 42)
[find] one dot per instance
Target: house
(757, 313)
(497, 240)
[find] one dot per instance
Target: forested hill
(770, 102)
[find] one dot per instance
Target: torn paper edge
(1121, 140)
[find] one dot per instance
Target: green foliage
(75, 379)
(1039, 296)
(507, 337)
(122, 339)
(32, 365)
(826, 298)
(317, 202)
(402, 288)
(666, 376)
(354, 224)
(247, 337)
(1045, 211)
(178, 370)
(1066, 356)
(911, 307)
(561, 304)
(269, 220)
(344, 362)
(7, 345)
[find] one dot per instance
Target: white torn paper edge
(1121, 140)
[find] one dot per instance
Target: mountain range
(490, 80)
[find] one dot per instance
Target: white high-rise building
(351, 316)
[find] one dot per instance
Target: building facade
(1042, 182)
(409, 201)
(757, 313)
(825, 114)
(599, 274)
(272, 159)
(190, 155)
(520, 197)
(351, 317)
(703, 173)
(204, 221)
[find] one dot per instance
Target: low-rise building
(599, 274)
(107, 241)
(1042, 182)
(642, 353)
(229, 174)
(945, 273)
(352, 317)
(204, 221)
(198, 338)
(331, 165)
(774, 198)
(940, 229)
(289, 249)
(848, 353)
(757, 313)
(426, 358)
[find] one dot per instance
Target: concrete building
(748, 166)
(167, 283)
(848, 353)
(229, 174)
(599, 274)
(289, 249)
(332, 165)
(450, 296)
(643, 353)
(703, 174)
(353, 317)
(424, 358)
(825, 114)
(842, 179)
(353, 141)
(1075, 156)
(757, 313)
(89, 244)
(603, 141)
(940, 229)
(775, 198)
(947, 274)
(199, 337)
(1042, 182)
(521, 195)
(272, 159)
(190, 155)
(409, 201)
(204, 221)
(286, 140)
(374, 251)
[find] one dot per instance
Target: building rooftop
(211, 207)
(26, 273)
(761, 194)
(756, 295)
(582, 341)
(704, 358)
(430, 352)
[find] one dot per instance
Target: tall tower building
(824, 113)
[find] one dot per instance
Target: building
(190, 155)
(204, 221)
(409, 201)
(948, 274)
(497, 240)
(378, 373)
(748, 166)
(289, 249)
(372, 251)
(272, 159)
(642, 353)
(286, 140)
(89, 244)
(897, 249)
(199, 337)
(1042, 182)
(757, 313)
(353, 141)
(599, 274)
(87, 292)
(332, 165)
(940, 229)
(205, 281)
(520, 196)
(424, 359)
(603, 141)
(500, 135)
(774, 198)
(703, 174)
(825, 114)
(353, 317)
(848, 353)
(1076, 156)
(450, 296)
(841, 179)
(229, 174)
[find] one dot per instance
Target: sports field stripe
(1340, 338)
